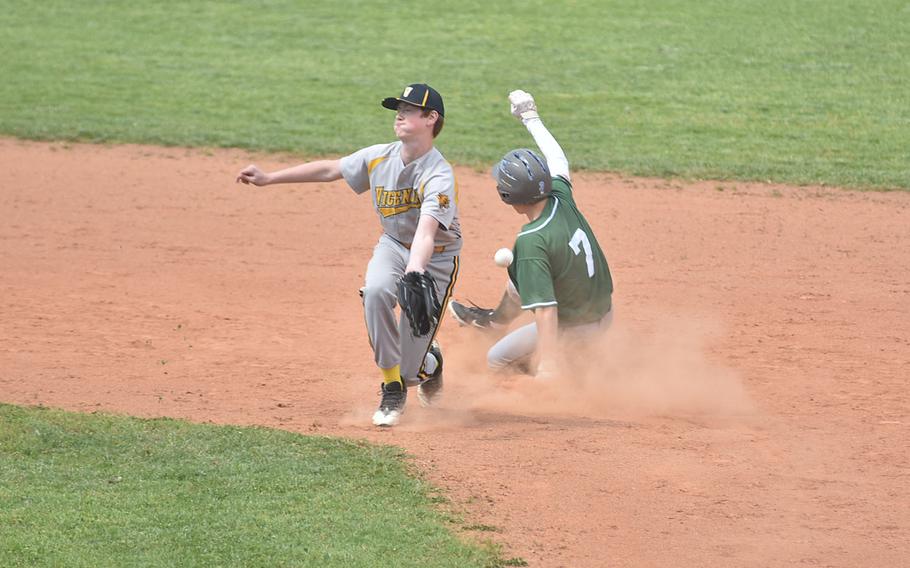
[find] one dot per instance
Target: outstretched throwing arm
(525, 109)
(321, 170)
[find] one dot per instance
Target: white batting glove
(523, 106)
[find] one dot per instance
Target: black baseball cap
(417, 94)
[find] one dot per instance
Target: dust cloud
(625, 372)
(665, 370)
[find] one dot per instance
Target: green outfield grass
(100, 490)
(814, 91)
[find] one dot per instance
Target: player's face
(409, 120)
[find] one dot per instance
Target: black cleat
(472, 315)
(391, 407)
(430, 388)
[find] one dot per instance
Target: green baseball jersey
(557, 262)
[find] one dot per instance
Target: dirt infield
(749, 407)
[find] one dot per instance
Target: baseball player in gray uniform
(415, 195)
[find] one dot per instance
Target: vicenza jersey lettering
(401, 194)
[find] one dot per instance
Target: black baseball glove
(417, 298)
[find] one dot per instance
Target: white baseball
(503, 257)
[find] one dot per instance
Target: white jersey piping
(539, 305)
(553, 212)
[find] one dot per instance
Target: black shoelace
(392, 400)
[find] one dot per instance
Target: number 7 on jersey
(580, 238)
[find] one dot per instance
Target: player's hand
(546, 370)
(523, 105)
(253, 175)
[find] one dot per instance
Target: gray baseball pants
(518, 347)
(390, 333)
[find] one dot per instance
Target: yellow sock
(391, 375)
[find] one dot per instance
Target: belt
(436, 249)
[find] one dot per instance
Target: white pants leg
(518, 347)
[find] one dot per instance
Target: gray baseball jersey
(401, 194)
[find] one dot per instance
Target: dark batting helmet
(522, 177)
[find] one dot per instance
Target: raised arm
(320, 170)
(524, 109)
